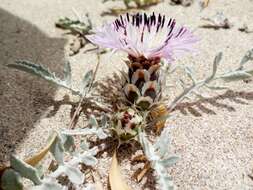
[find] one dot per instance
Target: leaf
(34, 160)
(67, 73)
(48, 184)
(216, 87)
(93, 121)
(74, 174)
(190, 74)
(11, 180)
(162, 143)
(42, 72)
(235, 75)
(115, 178)
(247, 57)
(67, 141)
(155, 154)
(25, 170)
(86, 131)
(32, 68)
(57, 149)
(88, 160)
(86, 80)
(169, 161)
(216, 62)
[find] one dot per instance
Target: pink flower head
(140, 35)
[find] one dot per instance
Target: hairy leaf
(11, 180)
(236, 75)
(74, 174)
(216, 62)
(157, 155)
(87, 131)
(247, 57)
(67, 73)
(87, 79)
(49, 184)
(25, 170)
(57, 149)
(42, 72)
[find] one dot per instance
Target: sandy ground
(213, 137)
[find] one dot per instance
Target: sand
(213, 137)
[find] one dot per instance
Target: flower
(140, 35)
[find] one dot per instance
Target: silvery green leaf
(48, 184)
(25, 170)
(84, 145)
(11, 180)
(250, 72)
(216, 87)
(40, 170)
(57, 149)
(164, 180)
(90, 187)
(74, 174)
(235, 75)
(247, 57)
(88, 160)
(67, 141)
(67, 73)
(104, 121)
(86, 80)
(190, 74)
(169, 161)
(32, 68)
(161, 144)
(87, 157)
(42, 72)
(216, 62)
(86, 131)
(93, 121)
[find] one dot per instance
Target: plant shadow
(201, 106)
(24, 98)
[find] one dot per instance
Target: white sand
(216, 149)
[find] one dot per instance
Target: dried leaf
(34, 160)
(115, 179)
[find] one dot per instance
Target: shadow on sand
(23, 98)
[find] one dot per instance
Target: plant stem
(78, 109)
